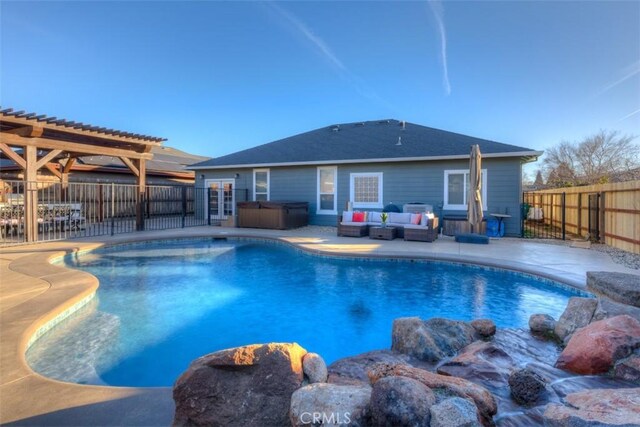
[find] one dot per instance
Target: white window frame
(333, 211)
(457, 207)
(355, 204)
(268, 171)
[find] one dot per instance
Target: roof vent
(360, 124)
(403, 124)
(399, 141)
(335, 128)
(383, 122)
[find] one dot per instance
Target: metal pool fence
(95, 209)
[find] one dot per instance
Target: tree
(595, 159)
(539, 182)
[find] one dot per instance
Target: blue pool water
(162, 304)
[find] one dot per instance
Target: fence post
(113, 208)
(563, 213)
(207, 205)
(602, 235)
(184, 205)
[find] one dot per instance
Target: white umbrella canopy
(474, 195)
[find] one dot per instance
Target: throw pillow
(358, 217)
(415, 219)
(347, 216)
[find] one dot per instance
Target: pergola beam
(71, 147)
(28, 130)
(13, 155)
(131, 166)
(52, 168)
(47, 158)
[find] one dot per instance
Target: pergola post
(31, 194)
(142, 188)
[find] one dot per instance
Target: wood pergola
(34, 141)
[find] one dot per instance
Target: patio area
(34, 294)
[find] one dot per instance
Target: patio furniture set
(50, 217)
(422, 227)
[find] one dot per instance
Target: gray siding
(403, 182)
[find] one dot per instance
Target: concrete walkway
(34, 293)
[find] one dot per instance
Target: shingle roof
(362, 141)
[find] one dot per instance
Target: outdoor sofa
(409, 226)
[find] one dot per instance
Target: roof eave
(526, 156)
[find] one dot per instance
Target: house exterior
(369, 164)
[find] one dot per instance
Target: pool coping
(51, 291)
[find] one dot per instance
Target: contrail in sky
(320, 46)
(438, 13)
(626, 74)
(633, 113)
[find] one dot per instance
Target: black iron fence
(94, 209)
(561, 215)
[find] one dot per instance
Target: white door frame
(221, 181)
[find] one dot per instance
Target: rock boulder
(454, 412)
(430, 340)
(578, 314)
(249, 385)
(353, 370)
(314, 368)
(620, 287)
(442, 384)
(595, 349)
(602, 408)
(329, 404)
(527, 386)
(542, 324)
(401, 401)
(484, 327)
(628, 369)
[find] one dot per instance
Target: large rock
(401, 401)
(430, 340)
(442, 384)
(602, 408)
(610, 308)
(620, 287)
(314, 368)
(628, 369)
(480, 361)
(578, 314)
(484, 327)
(542, 324)
(353, 370)
(594, 349)
(527, 386)
(330, 404)
(249, 385)
(454, 412)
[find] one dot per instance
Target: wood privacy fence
(609, 213)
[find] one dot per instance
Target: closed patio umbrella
(474, 196)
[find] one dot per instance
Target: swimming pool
(162, 304)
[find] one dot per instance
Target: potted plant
(384, 216)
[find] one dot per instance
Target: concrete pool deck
(34, 292)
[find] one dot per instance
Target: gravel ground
(619, 256)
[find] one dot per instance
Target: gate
(594, 217)
(544, 215)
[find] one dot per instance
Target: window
(366, 190)
(327, 200)
(261, 184)
(456, 184)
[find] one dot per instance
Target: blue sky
(217, 77)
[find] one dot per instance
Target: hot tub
(277, 215)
